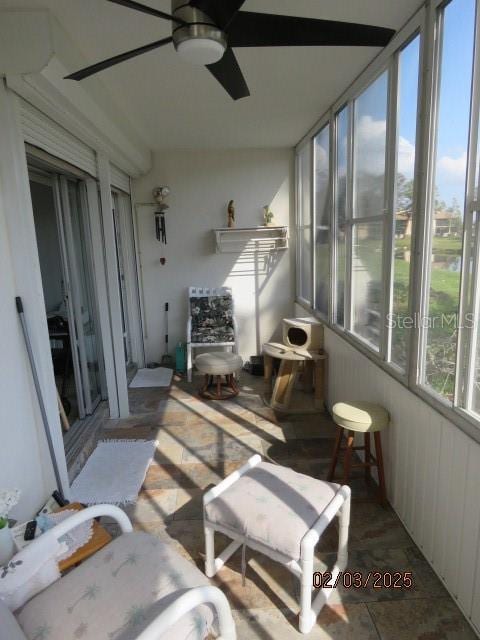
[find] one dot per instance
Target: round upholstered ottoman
(216, 365)
(360, 417)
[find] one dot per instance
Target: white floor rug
(159, 377)
(114, 473)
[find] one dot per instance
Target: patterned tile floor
(200, 442)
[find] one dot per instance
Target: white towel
(30, 571)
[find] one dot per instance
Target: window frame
(468, 336)
(404, 375)
(436, 20)
(333, 115)
(299, 228)
(430, 59)
(325, 122)
(351, 221)
(465, 341)
(425, 23)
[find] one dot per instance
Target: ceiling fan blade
(220, 11)
(229, 75)
(130, 4)
(249, 29)
(110, 62)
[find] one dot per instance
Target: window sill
(308, 308)
(465, 421)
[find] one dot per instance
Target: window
(397, 235)
(408, 69)
(304, 226)
(341, 167)
(367, 281)
(322, 207)
(369, 144)
(457, 20)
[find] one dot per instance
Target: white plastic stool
(283, 514)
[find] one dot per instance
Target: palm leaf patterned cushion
(116, 594)
(267, 495)
(212, 319)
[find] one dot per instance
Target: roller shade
(119, 179)
(42, 132)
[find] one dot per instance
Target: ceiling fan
(205, 32)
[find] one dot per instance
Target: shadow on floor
(200, 442)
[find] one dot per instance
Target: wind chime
(159, 195)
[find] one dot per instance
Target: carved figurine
(267, 216)
(231, 214)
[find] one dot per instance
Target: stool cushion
(218, 363)
(273, 505)
(360, 416)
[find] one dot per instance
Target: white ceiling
(174, 105)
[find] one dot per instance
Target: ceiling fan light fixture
(205, 33)
(201, 51)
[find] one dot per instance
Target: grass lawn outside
(442, 310)
(443, 300)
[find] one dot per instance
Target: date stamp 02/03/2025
(363, 580)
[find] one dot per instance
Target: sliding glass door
(121, 278)
(75, 237)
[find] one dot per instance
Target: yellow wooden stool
(366, 418)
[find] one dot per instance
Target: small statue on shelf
(267, 217)
(231, 215)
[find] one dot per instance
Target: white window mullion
(469, 333)
(390, 208)
(367, 219)
(313, 225)
(298, 247)
(413, 287)
(333, 220)
(330, 219)
(424, 193)
(348, 222)
(303, 204)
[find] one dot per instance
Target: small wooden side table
(100, 538)
(290, 359)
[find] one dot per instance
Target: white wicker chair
(193, 341)
(106, 592)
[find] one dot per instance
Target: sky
(454, 107)
(455, 89)
(454, 101)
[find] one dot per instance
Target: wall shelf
(240, 239)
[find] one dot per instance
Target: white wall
(432, 471)
(20, 450)
(201, 185)
(24, 457)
